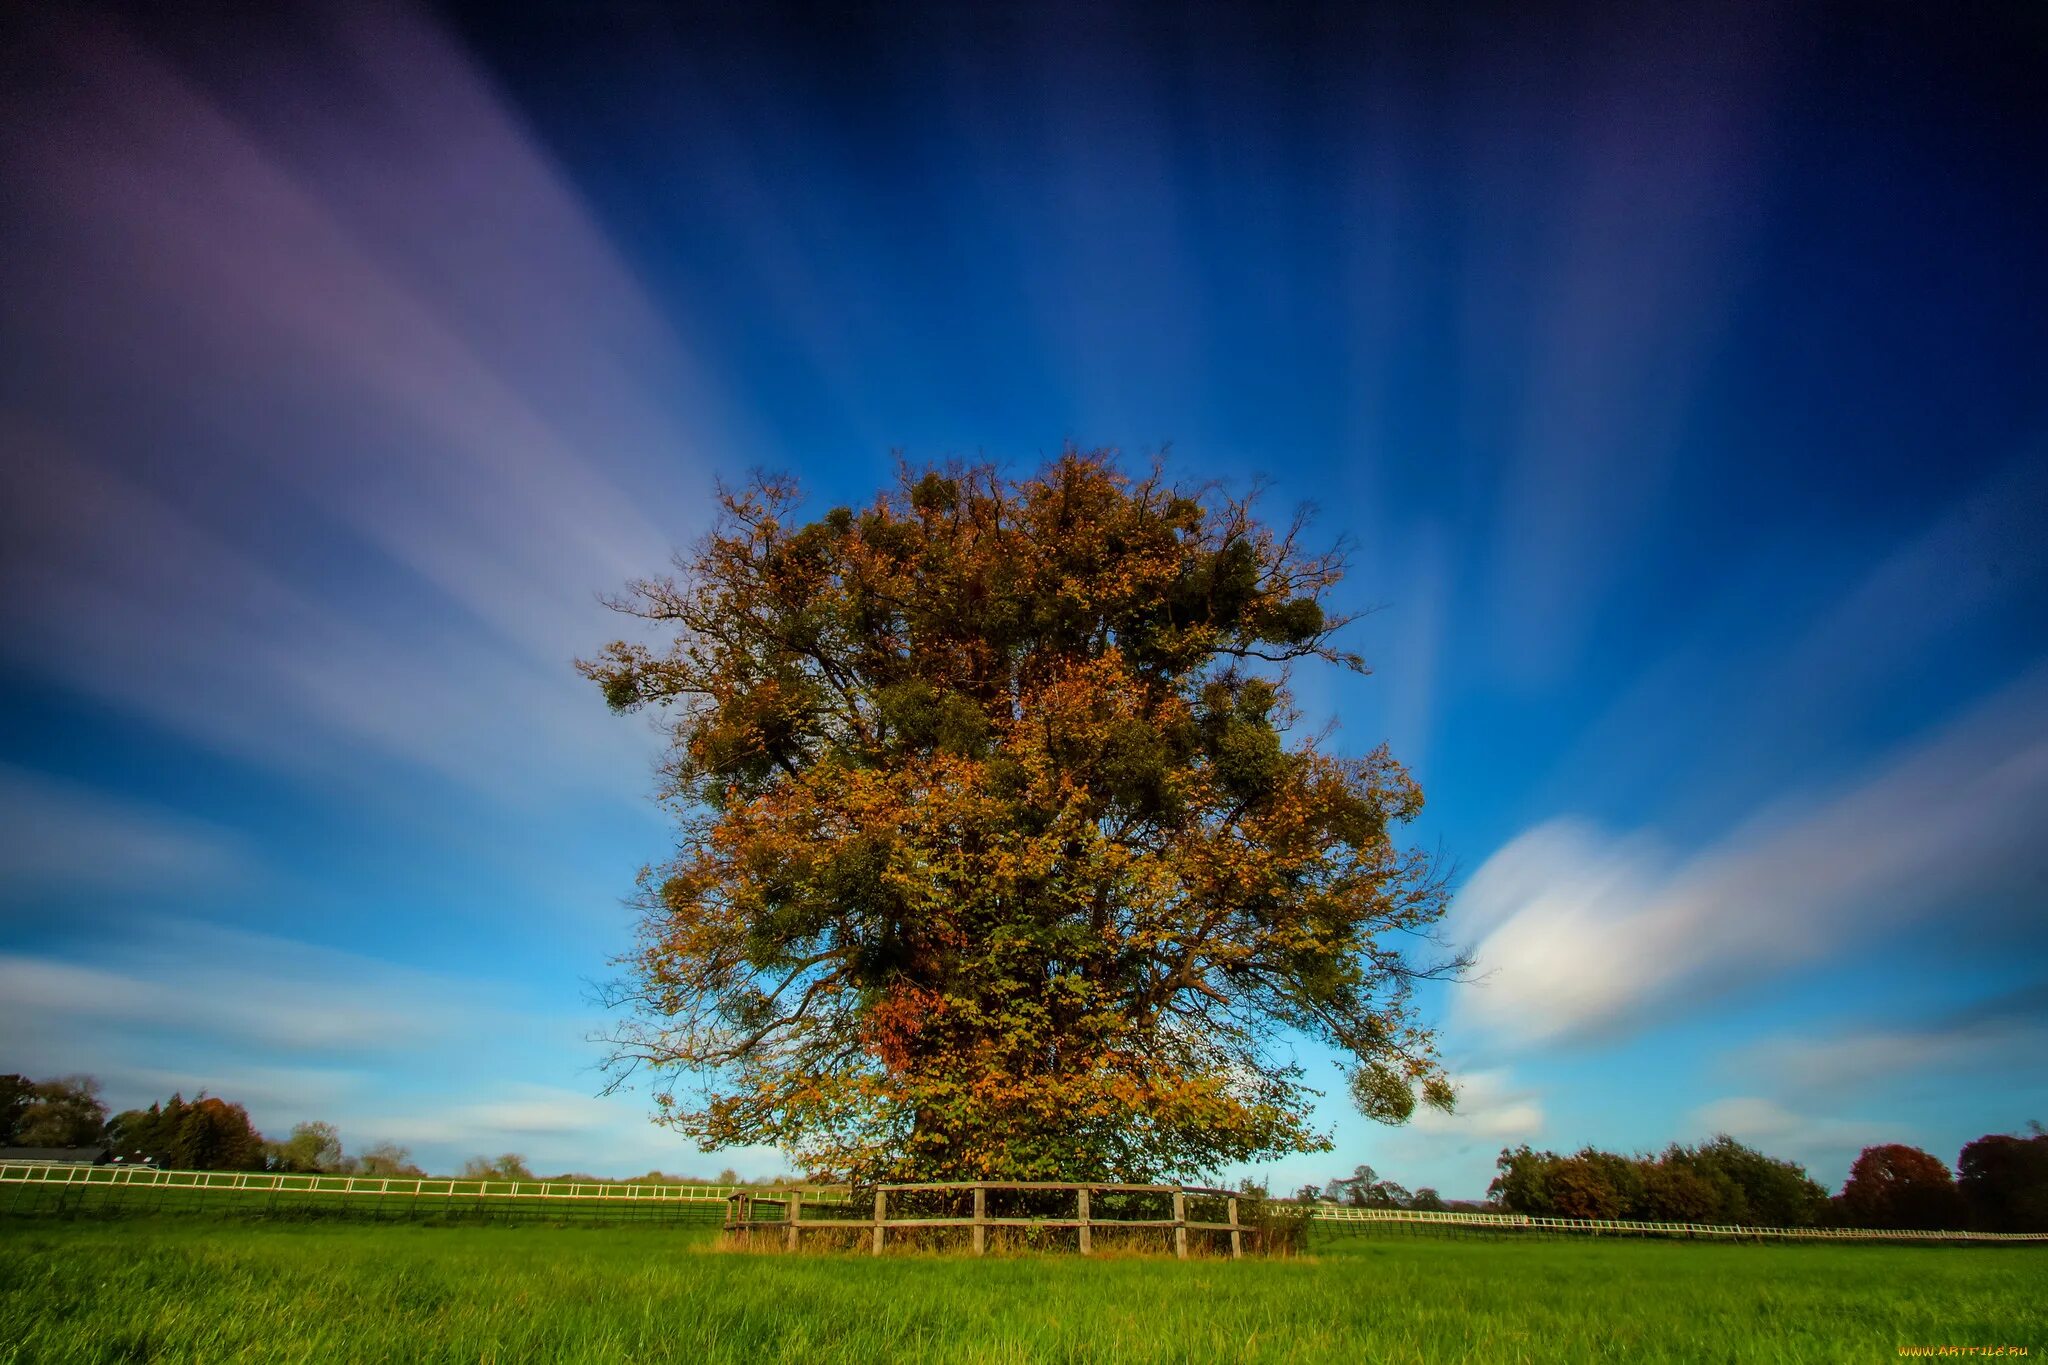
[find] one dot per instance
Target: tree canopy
(17, 1093)
(1721, 1181)
(314, 1146)
(204, 1134)
(2004, 1181)
(65, 1111)
(999, 855)
(1897, 1186)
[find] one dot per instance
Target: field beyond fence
(63, 1190)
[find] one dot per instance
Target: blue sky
(1679, 381)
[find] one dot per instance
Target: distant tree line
(202, 1134)
(64, 1111)
(1364, 1188)
(1721, 1181)
(2000, 1184)
(211, 1134)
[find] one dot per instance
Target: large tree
(1896, 1186)
(205, 1134)
(1751, 1188)
(999, 856)
(2004, 1182)
(65, 1111)
(17, 1093)
(312, 1146)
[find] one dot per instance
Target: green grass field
(171, 1288)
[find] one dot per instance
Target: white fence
(1334, 1213)
(645, 1195)
(421, 1187)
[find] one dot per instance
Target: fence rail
(422, 1187)
(791, 1224)
(428, 1188)
(1333, 1213)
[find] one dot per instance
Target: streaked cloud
(1805, 680)
(2002, 1035)
(1492, 1105)
(58, 835)
(1583, 932)
(525, 1112)
(123, 596)
(231, 989)
(1656, 196)
(296, 1032)
(347, 287)
(555, 1129)
(1824, 1143)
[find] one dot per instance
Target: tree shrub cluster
(316, 1148)
(202, 1134)
(2003, 1186)
(510, 1166)
(1896, 1186)
(2003, 1182)
(1276, 1228)
(1721, 1181)
(65, 1111)
(1364, 1188)
(211, 1134)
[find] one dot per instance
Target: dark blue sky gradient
(1677, 375)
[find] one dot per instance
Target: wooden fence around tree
(780, 1213)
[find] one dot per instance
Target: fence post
(1236, 1236)
(1087, 1239)
(1180, 1223)
(881, 1207)
(980, 1220)
(796, 1200)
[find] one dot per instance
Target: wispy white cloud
(524, 1112)
(392, 329)
(1823, 1143)
(1776, 695)
(226, 988)
(1580, 931)
(60, 835)
(556, 1130)
(214, 1004)
(296, 1031)
(275, 1096)
(1491, 1106)
(362, 267)
(1417, 619)
(1454, 1152)
(122, 596)
(2005, 1034)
